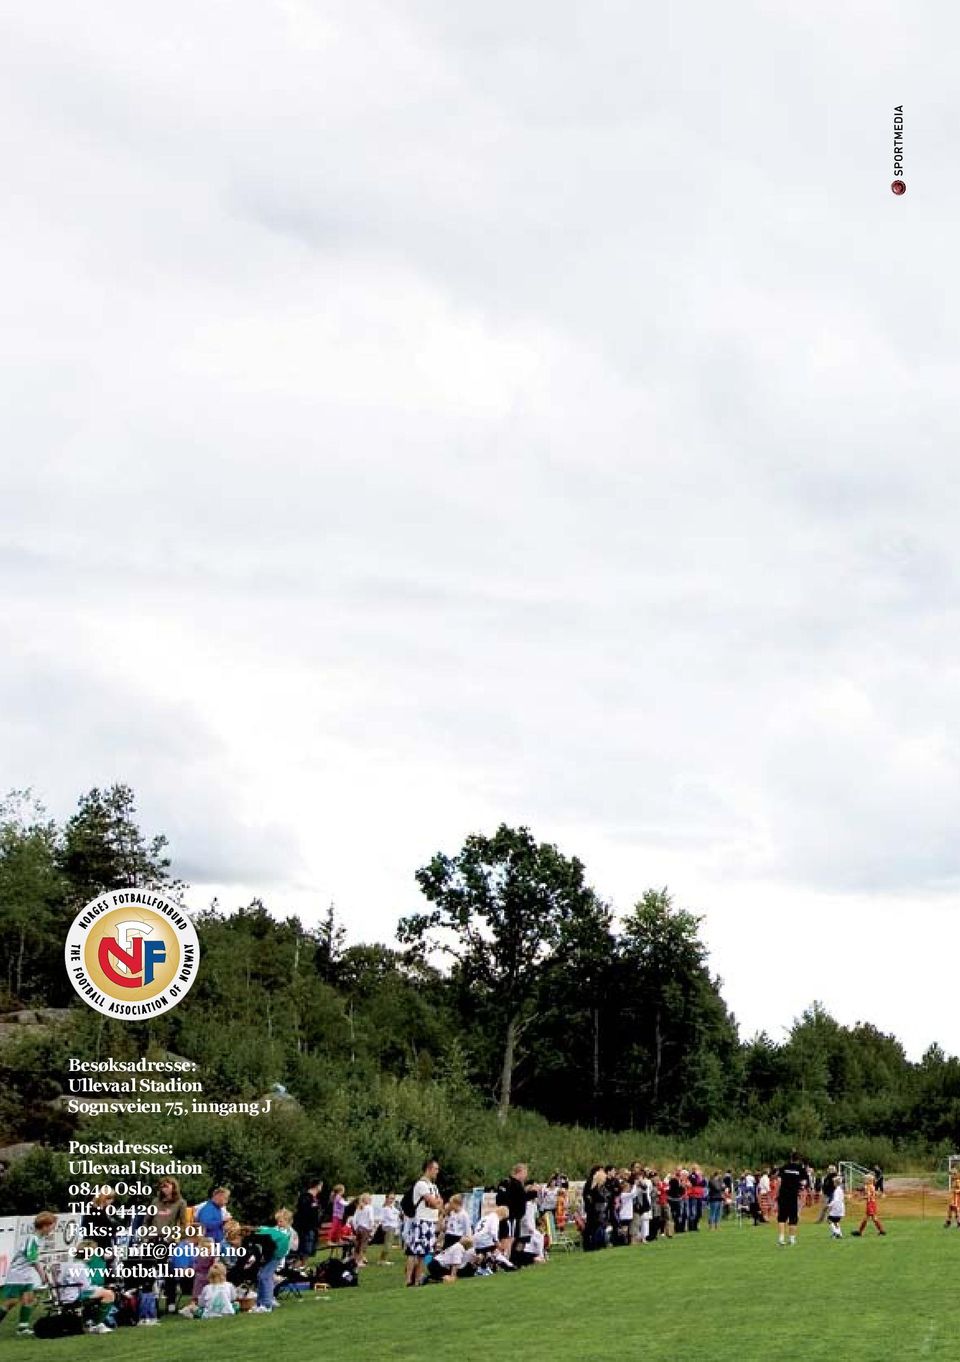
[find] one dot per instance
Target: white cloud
(421, 416)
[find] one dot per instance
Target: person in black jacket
(512, 1193)
(306, 1218)
(677, 1201)
(612, 1191)
(596, 1210)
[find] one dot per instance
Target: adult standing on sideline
(595, 1209)
(162, 1227)
(716, 1194)
(512, 1193)
(212, 1214)
(676, 1199)
(420, 1230)
(306, 1218)
(696, 1187)
(791, 1178)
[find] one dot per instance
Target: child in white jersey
(218, 1297)
(457, 1222)
(836, 1210)
(363, 1227)
(625, 1204)
(26, 1272)
(533, 1248)
(458, 1259)
(486, 1241)
(389, 1218)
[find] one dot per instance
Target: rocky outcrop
(9, 1153)
(15, 1025)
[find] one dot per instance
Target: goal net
(852, 1175)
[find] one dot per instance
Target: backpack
(336, 1273)
(128, 1309)
(407, 1203)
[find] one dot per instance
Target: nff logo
(132, 953)
(136, 960)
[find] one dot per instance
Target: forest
(515, 1014)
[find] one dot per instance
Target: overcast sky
(424, 415)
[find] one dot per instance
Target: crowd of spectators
(199, 1261)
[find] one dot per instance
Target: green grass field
(732, 1295)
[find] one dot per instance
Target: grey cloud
(70, 726)
(431, 414)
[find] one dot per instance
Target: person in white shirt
(486, 1241)
(537, 1245)
(26, 1273)
(389, 1221)
(625, 1203)
(531, 1250)
(487, 1235)
(836, 1210)
(528, 1223)
(458, 1259)
(218, 1297)
(420, 1230)
(548, 1196)
(456, 1223)
(363, 1227)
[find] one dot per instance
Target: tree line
(516, 986)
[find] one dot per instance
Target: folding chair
(559, 1239)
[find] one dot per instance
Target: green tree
(329, 943)
(683, 1064)
(103, 848)
(501, 907)
(31, 888)
(575, 1030)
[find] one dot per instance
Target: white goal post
(852, 1175)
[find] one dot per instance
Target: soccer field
(733, 1295)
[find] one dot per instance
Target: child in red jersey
(953, 1210)
(870, 1210)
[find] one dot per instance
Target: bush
(34, 1183)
